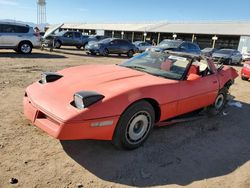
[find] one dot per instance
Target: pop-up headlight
(47, 77)
(83, 99)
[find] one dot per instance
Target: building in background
(234, 35)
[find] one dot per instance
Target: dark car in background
(177, 46)
(208, 51)
(112, 46)
(70, 38)
(227, 56)
(142, 46)
(93, 39)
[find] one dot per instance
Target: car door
(200, 92)
(112, 46)
(68, 38)
(77, 38)
(1, 35)
(9, 36)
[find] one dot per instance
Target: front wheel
(134, 126)
(58, 44)
(105, 52)
(244, 78)
(219, 103)
(230, 61)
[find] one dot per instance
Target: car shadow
(33, 55)
(177, 154)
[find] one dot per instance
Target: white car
(246, 56)
(19, 37)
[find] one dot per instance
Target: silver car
(227, 56)
(142, 46)
(19, 37)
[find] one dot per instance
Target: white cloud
(9, 2)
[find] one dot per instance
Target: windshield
(170, 44)
(224, 51)
(104, 41)
(159, 64)
(61, 33)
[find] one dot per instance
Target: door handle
(215, 82)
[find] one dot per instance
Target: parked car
(246, 56)
(70, 38)
(19, 37)
(142, 46)
(112, 46)
(177, 46)
(208, 51)
(227, 56)
(245, 71)
(96, 38)
(124, 102)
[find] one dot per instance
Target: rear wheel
(79, 47)
(219, 103)
(25, 48)
(134, 126)
(130, 53)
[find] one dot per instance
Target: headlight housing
(47, 77)
(96, 45)
(84, 99)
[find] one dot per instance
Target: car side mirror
(192, 77)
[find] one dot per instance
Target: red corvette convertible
(123, 102)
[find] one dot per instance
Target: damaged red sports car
(123, 102)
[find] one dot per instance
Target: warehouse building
(234, 35)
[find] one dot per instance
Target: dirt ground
(211, 152)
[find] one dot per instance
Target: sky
(127, 11)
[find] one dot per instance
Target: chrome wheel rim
(138, 127)
(219, 101)
(25, 48)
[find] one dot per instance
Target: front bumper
(221, 60)
(88, 129)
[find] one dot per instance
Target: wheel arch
(25, 41)
(152, 102)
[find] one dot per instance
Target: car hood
(52, 29)
(109, 80)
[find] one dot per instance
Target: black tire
(130, 53)
(84, 46)
(92, 53)
(240, 61)
(58, 44)
(105, 52)
(244, 78)
(134, 126)
(24, 47)
(79, 47)
(219, 102)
